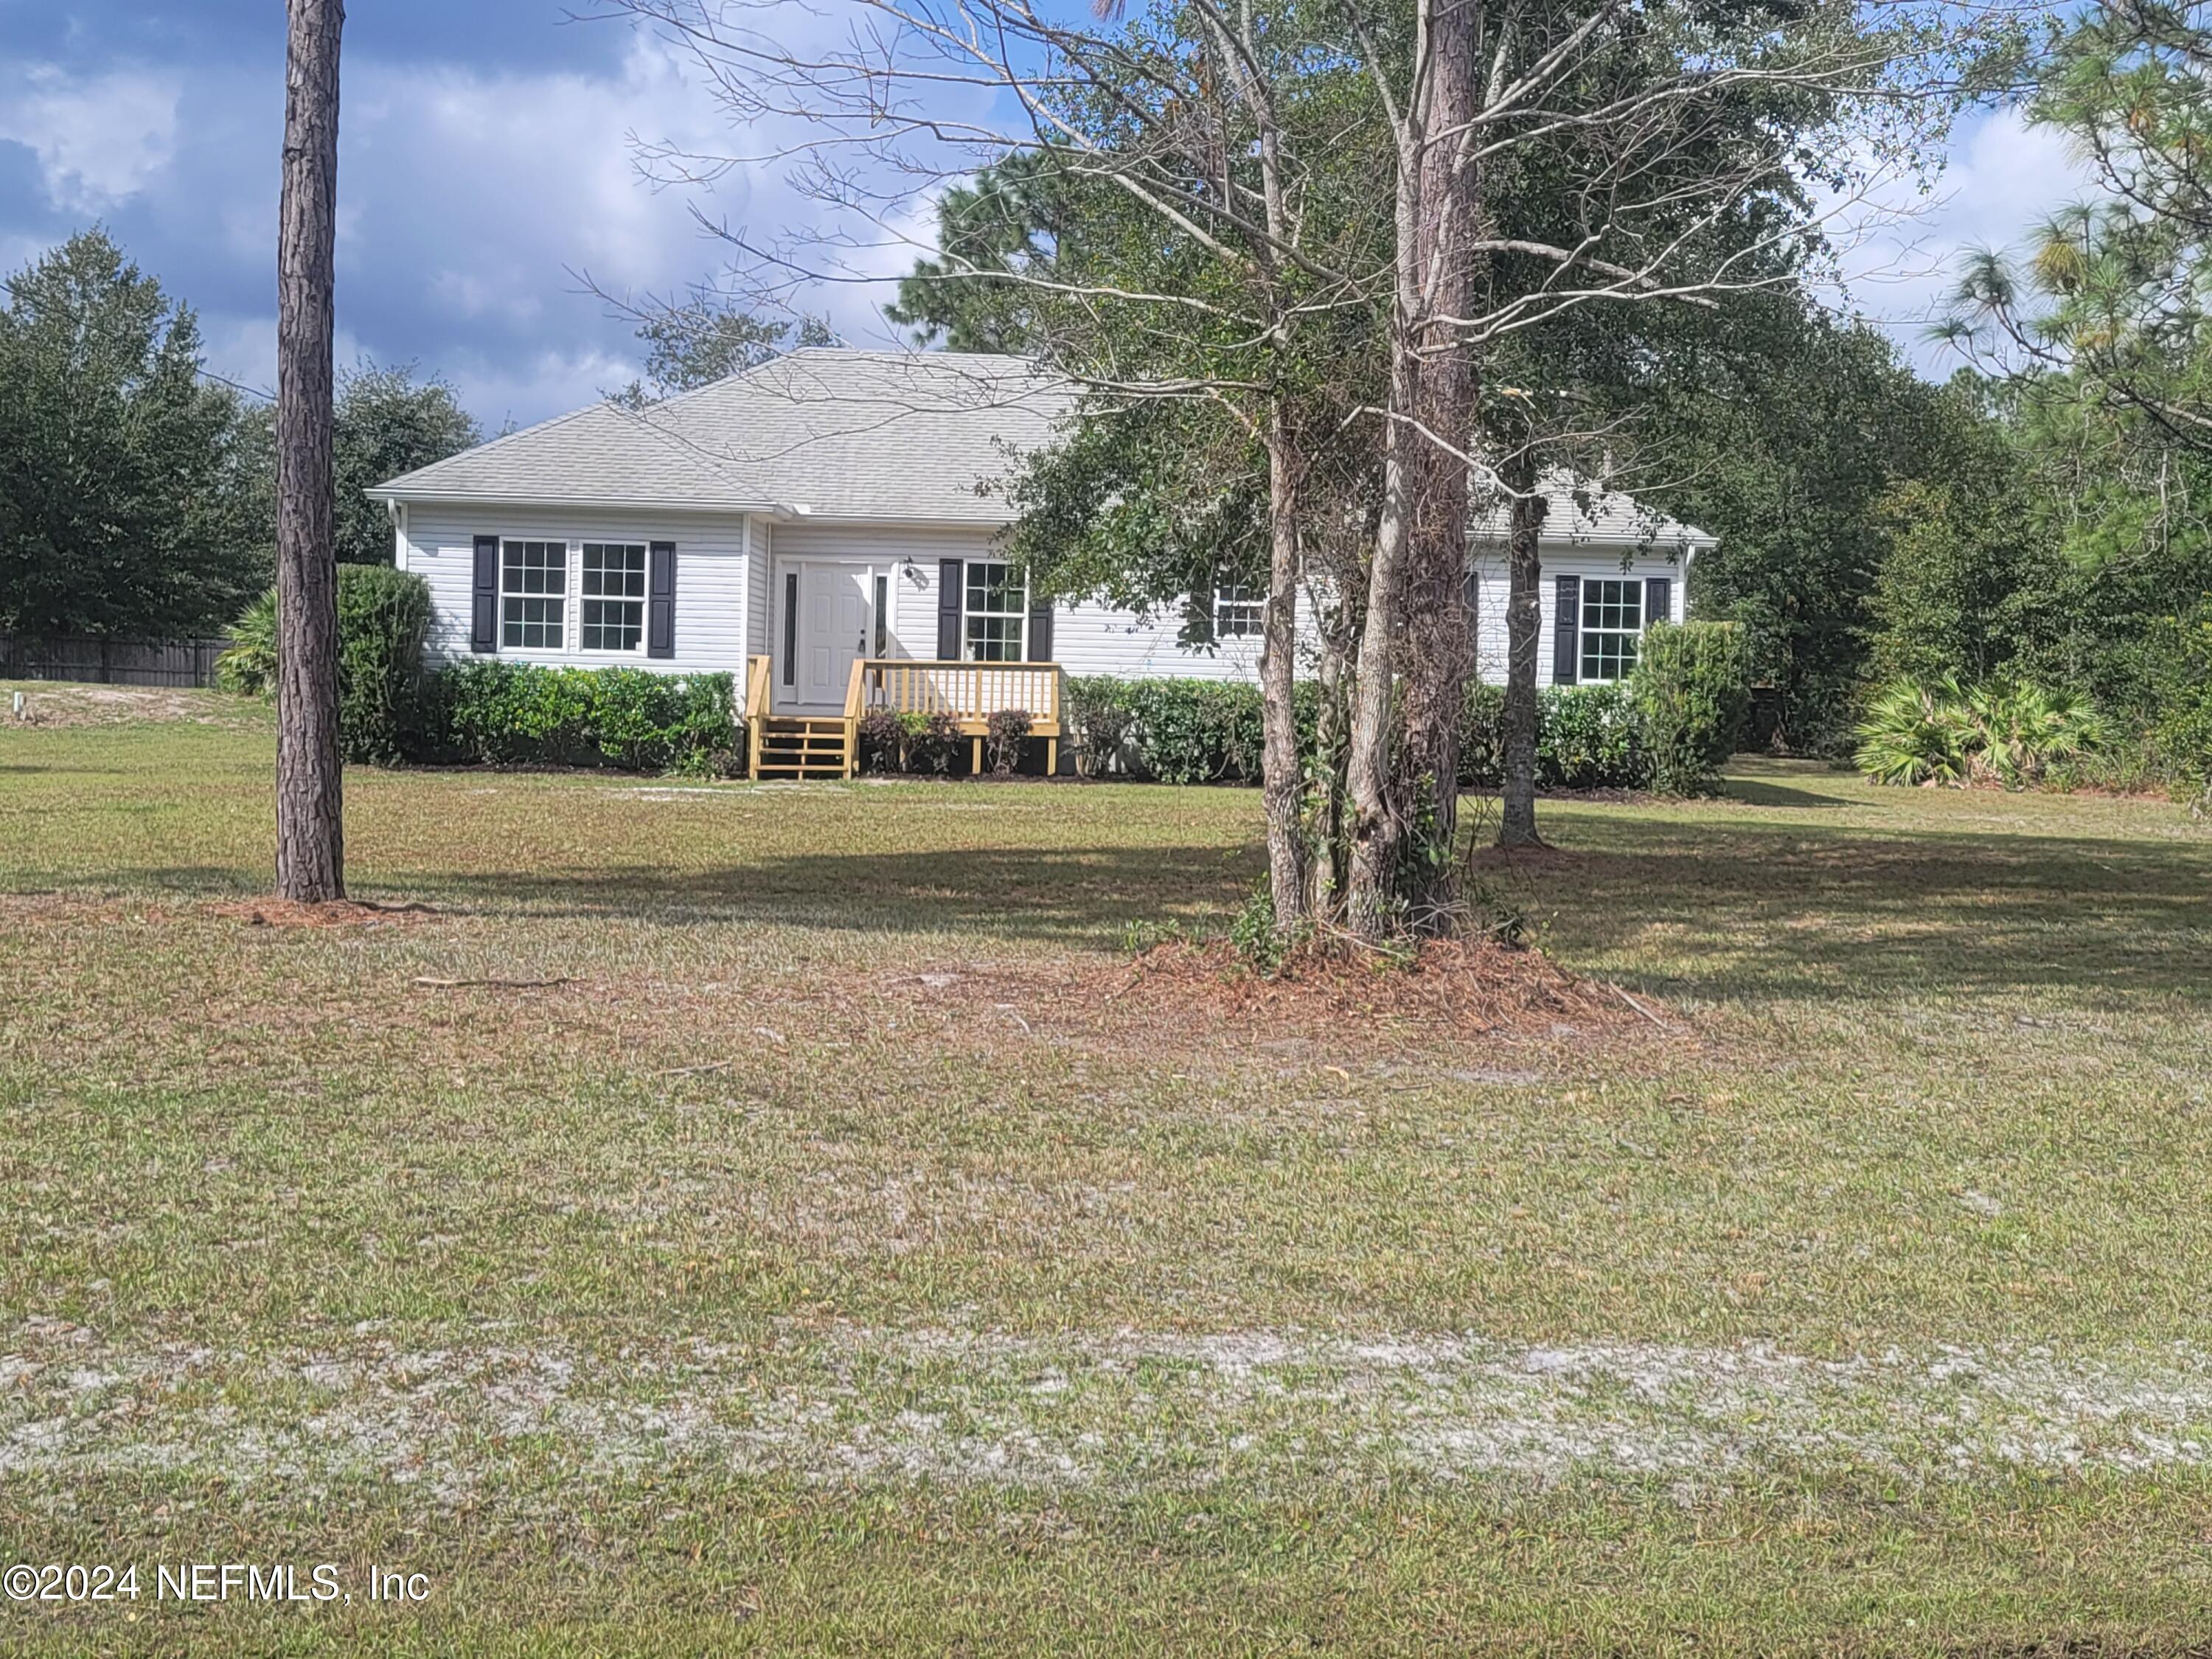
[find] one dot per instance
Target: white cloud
(2002, 176)
(471, 198)
(100, 139)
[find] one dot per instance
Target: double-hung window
(1237, 611)
(533, 590)
(1612, 620)
(614, 596)
(994, 611)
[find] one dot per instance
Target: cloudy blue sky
(485, 157)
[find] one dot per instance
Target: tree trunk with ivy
(1418, 649)
(1282, 773)
(1517, 818)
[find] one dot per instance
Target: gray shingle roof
(1582, 510)
(892, 435)
(895, 436)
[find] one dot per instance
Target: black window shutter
(1567, 631)
(483, 631)
(1198, 618)
(952, 573)
(661, 600)
(1658, 600)
(1040, 641)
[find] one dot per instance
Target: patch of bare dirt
(338, 913)
(1477, 986)
(58, 705)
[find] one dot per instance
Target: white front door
(827, 631)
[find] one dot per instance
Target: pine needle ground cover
(681, 1217)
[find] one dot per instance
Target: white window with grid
(533, 595)
(994, 612)
(1612, 620)
(1237, 607)
(612, 608)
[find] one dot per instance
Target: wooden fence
(111, 662)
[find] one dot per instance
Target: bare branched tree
(1273, 201)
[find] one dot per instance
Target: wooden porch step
(801, 746)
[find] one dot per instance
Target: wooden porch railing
(757, 670)
(970, 692)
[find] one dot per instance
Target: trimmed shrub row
(506, 713)
(1588, 737)
(1178, 731)
(1670, 727)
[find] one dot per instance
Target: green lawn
(834, 1257)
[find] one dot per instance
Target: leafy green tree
(2104, 337)
(1959, 587)
(384, 422)
(1783, 442)
(705, 339)
(123, 473)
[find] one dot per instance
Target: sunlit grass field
(731, 1219)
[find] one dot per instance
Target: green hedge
(1692, 693)
(384, 616)
(1177, 731)
(503, 714)
(1188, 731)
(1588, 737)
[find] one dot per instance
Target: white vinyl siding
(711, 574)
(725, 608)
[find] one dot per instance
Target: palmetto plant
(1942, 734)
(250, 666)
(2022, 730)
(1916, 734)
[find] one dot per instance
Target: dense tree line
(137, 494)
(133, 492)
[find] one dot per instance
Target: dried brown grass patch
(1474, 986)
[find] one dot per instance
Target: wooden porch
(809, 744)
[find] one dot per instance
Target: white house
(819, 525)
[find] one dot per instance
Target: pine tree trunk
(1282, 772)
(310, 815)
(1516, 825)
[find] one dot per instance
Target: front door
(828, 630)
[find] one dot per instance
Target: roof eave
(395, 492)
